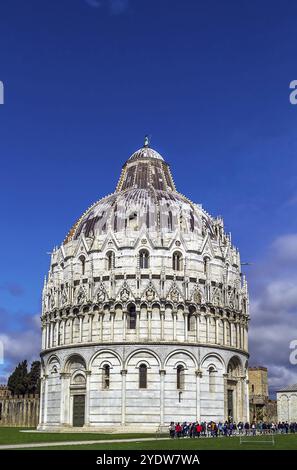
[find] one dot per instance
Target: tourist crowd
(228, 429)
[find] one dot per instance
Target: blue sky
(84, 80)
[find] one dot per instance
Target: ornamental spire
(146, 141)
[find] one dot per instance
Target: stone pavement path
(72, 443)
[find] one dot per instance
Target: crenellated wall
(19, 411)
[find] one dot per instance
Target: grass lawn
(14, 436)
(288, 442)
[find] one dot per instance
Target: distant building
(262, 408)
(287, 403)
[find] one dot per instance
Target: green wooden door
(230, 404)
(78, 410)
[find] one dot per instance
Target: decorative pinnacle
(146, 141)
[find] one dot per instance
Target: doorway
(230, 405)
(78, 410)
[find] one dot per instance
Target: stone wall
(4, 391)
(287, 406)
(19, 411)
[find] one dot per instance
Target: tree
(17, 382)
(21, 382)
(33, 378)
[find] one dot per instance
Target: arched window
(180, 377)
(131, 317)
(206, 265)
(177, 261)
(106, 377)
(142, 376)
(170, 221)
(191, 321)
(144, 259)
(212, 379)
(82, 260)
(132, 221)
(110, 260)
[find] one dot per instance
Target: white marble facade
(287, 404)
(144, 312)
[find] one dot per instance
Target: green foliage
(21, 381)
(33, 378)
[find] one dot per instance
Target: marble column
(52, 330)
(162, 395)
(207, 328)
(43, 336)
(241, 345)
(58, 333)
(245, 338)
(198, 406)
(123, 419)
(90, 332)
(237, 335)
(149, 323)
(186, 314)
(162, 314)
(88, 391)
(225, 340)
(65, 382)
(47, 336)
(225, 376)
(174, 313)
(217, 330)
(231, 333)
(81, 328)
(71, 329)
(137, 324)
(124, 324)
(112, 315)
(197, 328)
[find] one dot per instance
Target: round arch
(103, 351)
(217, 356)
(181, 351)
(147, 351)
(74, 359)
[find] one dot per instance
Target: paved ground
(71, 443)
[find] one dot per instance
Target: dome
(146, 152)
(145, 197)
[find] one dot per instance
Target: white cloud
(285, 247)
(274, 312)
(19, 345)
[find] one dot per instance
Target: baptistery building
(144, 312)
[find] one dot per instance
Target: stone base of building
(117, 429)
(76, 392)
